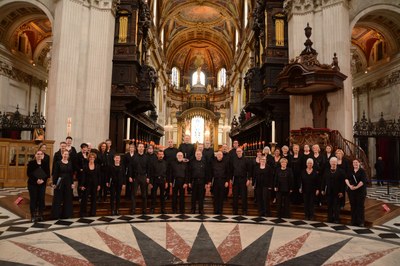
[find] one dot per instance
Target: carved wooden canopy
(305, 75)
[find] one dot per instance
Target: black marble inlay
(258, 219)
(41, 225)
(8, 263)
(85, 221)
(278, 221)
(16, 229)
(299, 222)
(105, 219)
(145, 217)
(388, 235)
(164, 217)
(318, 225)
(363, 231)
(152, 252)
(62, 222)
(203, 249)
(220, 217)
(93, 255)
(183, 216)
(256, 252)
(317, 257)
(239, 218)
(340, 227)
(202, 217)
(125, 218)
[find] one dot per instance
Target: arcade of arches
(90, 66)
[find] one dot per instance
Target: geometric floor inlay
(176, 242)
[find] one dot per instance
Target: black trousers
(333, 202)
(263, 196)
(90, 191)
(357, 200)
(309, 198)
(219, 195)
(159, 183)
(142, 183)
(36, 197)
(283, 203)
(239, 189)
(178, 191)
(115, 196)
(62, 202)
(198, 193)
(103, 181)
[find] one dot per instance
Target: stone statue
(188, 88)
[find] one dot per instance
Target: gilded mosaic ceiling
(202, 29)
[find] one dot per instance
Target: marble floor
(194, 239)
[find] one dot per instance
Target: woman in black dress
(309, 188)
(283, 187)
(356, 183)
(38, 172)
(343, 164)
(296, 163)
(263, 182)
(104, 161)
(63, 184)
(90, 184)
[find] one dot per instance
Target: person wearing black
(89, 185)
(128, 162)
(116, 183)
(319, 167)
(240, 180)
(232, 152)
(263, 183)
(140, 178)
(283, 188)
(380, 168)
(63, 184)
(58, 154)
(296, 161)
(105, 161)
(38, 172)
(356, 183)
(333, 186)
(343, 164)
(208, 152)
(187, 149)
(80, 162)
(219, 176)
(150, 153)
(285, 154)
(198, 169)
(309, 187)
(178, 179)
(43, 148)
(158, 180)
(169, 156)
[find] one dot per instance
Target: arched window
(279, 30)
(197, 129)
(123, 27)
(221, 78)
(175, 76)
(198, 78)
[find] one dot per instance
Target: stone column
(331, 33)
(80, 74)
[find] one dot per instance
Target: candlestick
(128, 128)
(273, 131)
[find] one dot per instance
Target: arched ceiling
(23, 18)
(379, 25)
(200, 33)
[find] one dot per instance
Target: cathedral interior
(263, 72)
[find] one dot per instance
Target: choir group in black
(281, 178)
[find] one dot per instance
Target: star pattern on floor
(167, 243)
